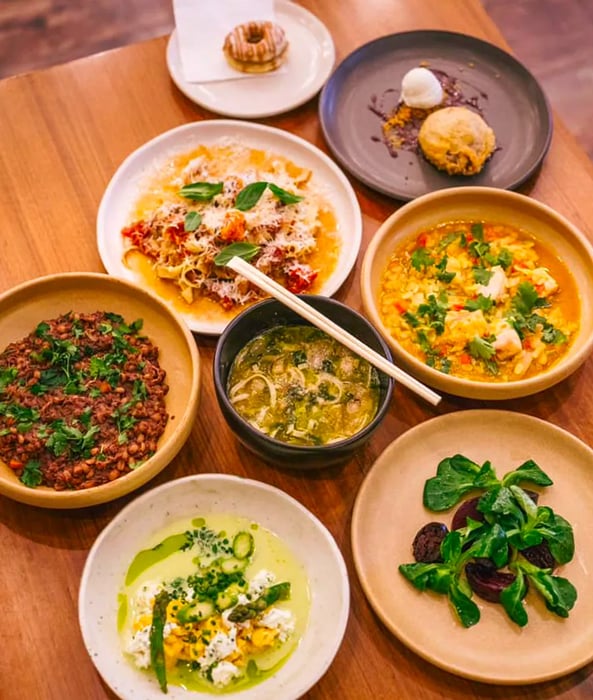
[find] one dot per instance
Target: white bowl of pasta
(178, 200)
(481, 293)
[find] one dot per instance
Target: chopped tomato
(400, 307)
(299, 279)
(465, 359)
(422, 240)
(137, 232)
(176, 233)
(458, 307)
(233, 228)
(16, 464)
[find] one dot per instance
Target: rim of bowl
(459, 386)
(305, 449)
(45, 496)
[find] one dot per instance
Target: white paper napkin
(202, 26)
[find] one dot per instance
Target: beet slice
(427, 543)
(540, 555)
(486, 580)
(467, 509)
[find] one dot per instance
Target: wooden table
(63, 133)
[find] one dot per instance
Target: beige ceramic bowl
(492, 205)
(23, 307)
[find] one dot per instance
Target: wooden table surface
(63, 133)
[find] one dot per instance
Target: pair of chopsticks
(325, 324)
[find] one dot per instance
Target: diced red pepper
(298, 280)
(400, 307)
(465, 359)
(422, 240)
(16, 464)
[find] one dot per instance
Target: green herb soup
(216, 605)
(298, 385)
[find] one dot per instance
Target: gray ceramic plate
(511, 100)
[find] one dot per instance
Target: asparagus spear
(157, 645)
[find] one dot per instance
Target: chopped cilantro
(447, 239)
(32, 475)
(480, 348)
(480, 303)
(479, 249)
(411, 319)
(442, 274)
(421, 259)
(478, 231)
(435, 311)
(482, 275)
(552, 335)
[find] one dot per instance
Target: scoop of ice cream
(421, 89)
(456, 140)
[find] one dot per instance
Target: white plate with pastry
(309, 61)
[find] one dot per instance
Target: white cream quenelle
(421, 89)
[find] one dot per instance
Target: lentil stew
(82, 401)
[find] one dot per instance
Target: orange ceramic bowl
(25, 306)
(486, 204)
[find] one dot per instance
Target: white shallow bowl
(197, 496)
(117, 205)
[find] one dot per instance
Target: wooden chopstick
(325, 324)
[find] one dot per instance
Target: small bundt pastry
(256, 47)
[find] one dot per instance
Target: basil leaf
(201, 191)
(284, 196)
(192, 220)
(249, 196)
(240, 250)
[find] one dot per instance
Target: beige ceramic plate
(388, 512)
(23, 307)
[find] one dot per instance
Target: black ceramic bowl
(268, 314)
